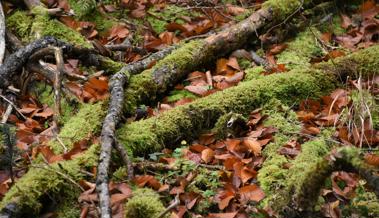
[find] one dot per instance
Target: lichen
(86, 123)
(145, 203)
(38, 181)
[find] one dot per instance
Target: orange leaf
(253, 146)
(207, 155)
(372, 159)
(222, 215)
(251, 193)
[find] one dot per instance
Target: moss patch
(301, 50)
(20, 23)
(38, 181)
(86, 123)
(145, 203)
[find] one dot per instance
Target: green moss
(283, 8)
(82, 7)
(20, 23)
(222, 130)
(37, 182)
(272, 176)
(103, 24)
(301, 50)
(44, 26)
(365, 203)
(86, 123)
(143, 88)
(145, 203)
(110, 65)
(176, 95)
(184, 122)
(254, 73)
(158, 18)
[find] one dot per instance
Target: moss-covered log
(147, 86)
(186, 121)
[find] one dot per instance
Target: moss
(184, 122)
(365, 203)
(254, 73)
(158, 19)
(176, 95)
(145, 203)
(223, 128)
(103, 23)
(37, 182)
(69, 208)
(283, 8)
(44, 26)
(272, 176)
(20, 23)
(143, 88)
(85, 124)
(82, 7)
(110, 65)
(244, 15)
(301, 50)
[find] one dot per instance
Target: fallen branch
(111, 120)
(187, 121)
(2, 34)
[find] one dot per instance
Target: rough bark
(112, 118)
(185, 122)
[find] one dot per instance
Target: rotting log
(185, 122)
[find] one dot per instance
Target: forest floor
(284, 123)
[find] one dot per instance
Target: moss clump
(82, 7)
(37, 182)
(365, 203)
(145, 87)
(254, 73)
(110, 65)
(145, 203)
(301, 50)
(283, 8)
(272, 176)
(176, 95)
(158, 18)
(86, 123)
(20, 23)
(229, 124)
(186, 121)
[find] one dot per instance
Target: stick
(125, 157)
(116, 86)
(2, 34)
(173, 205)
(57, 84)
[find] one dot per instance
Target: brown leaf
(223, 215)
(251, 193)
(372, 159)
(198, 90)
(253, 146)
(207, 155)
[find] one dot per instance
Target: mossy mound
(145, 203)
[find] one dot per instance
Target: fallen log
(185, 122)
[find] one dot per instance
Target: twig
(14, 106)
(173, 205)
(2, 34)
(6, 114)
(108, 139)
(125, 157)
(58, 84)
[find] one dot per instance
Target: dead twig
(173, 205)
